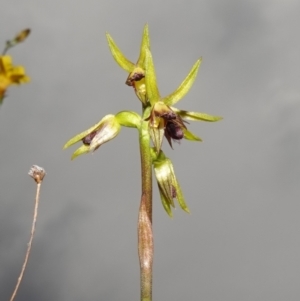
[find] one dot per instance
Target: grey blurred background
(241, 241)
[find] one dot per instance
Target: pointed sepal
(165, 202)
(184, 87)
(190, 136)
(144, 45)
(196, 116)
(150, 79)
(119, 57)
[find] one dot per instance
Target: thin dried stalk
(38, 174)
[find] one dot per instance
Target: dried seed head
(37, 173)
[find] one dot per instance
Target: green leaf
(122, 61)
(144, 45)
(150, 79)
(196, 116)
(190, 136)
(80, 136)
(129, 119)
(185, 86)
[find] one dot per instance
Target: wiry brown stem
(37, 173)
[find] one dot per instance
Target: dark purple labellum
(174, 131)
(88, 138)
(135, 77)
(169, 115)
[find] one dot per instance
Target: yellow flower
(10, 75)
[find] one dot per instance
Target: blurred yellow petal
(10, 75)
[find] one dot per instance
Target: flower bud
(20, 37)
(169, 188)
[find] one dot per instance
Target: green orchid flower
(166, 119)
(160, 118)
(103, 131)
(168, 186)
(136, 77)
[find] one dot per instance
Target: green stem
(145, 235)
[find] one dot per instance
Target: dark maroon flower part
(174, 130)
(134, 77)
(88, 138)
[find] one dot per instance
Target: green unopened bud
(104, 131)
(129, 119)
(169, 188)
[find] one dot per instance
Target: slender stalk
(37, 173)
(145, 235)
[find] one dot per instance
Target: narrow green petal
(144, 45)
(179, 195)
(129, 119)
(122, 61)
(151, 85)
(165, 203)
(80, 151)
(180, 199)
(78, 137)
(196, 116)
(190, 136)
(184, 87)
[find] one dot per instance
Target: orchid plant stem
(145, 234)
